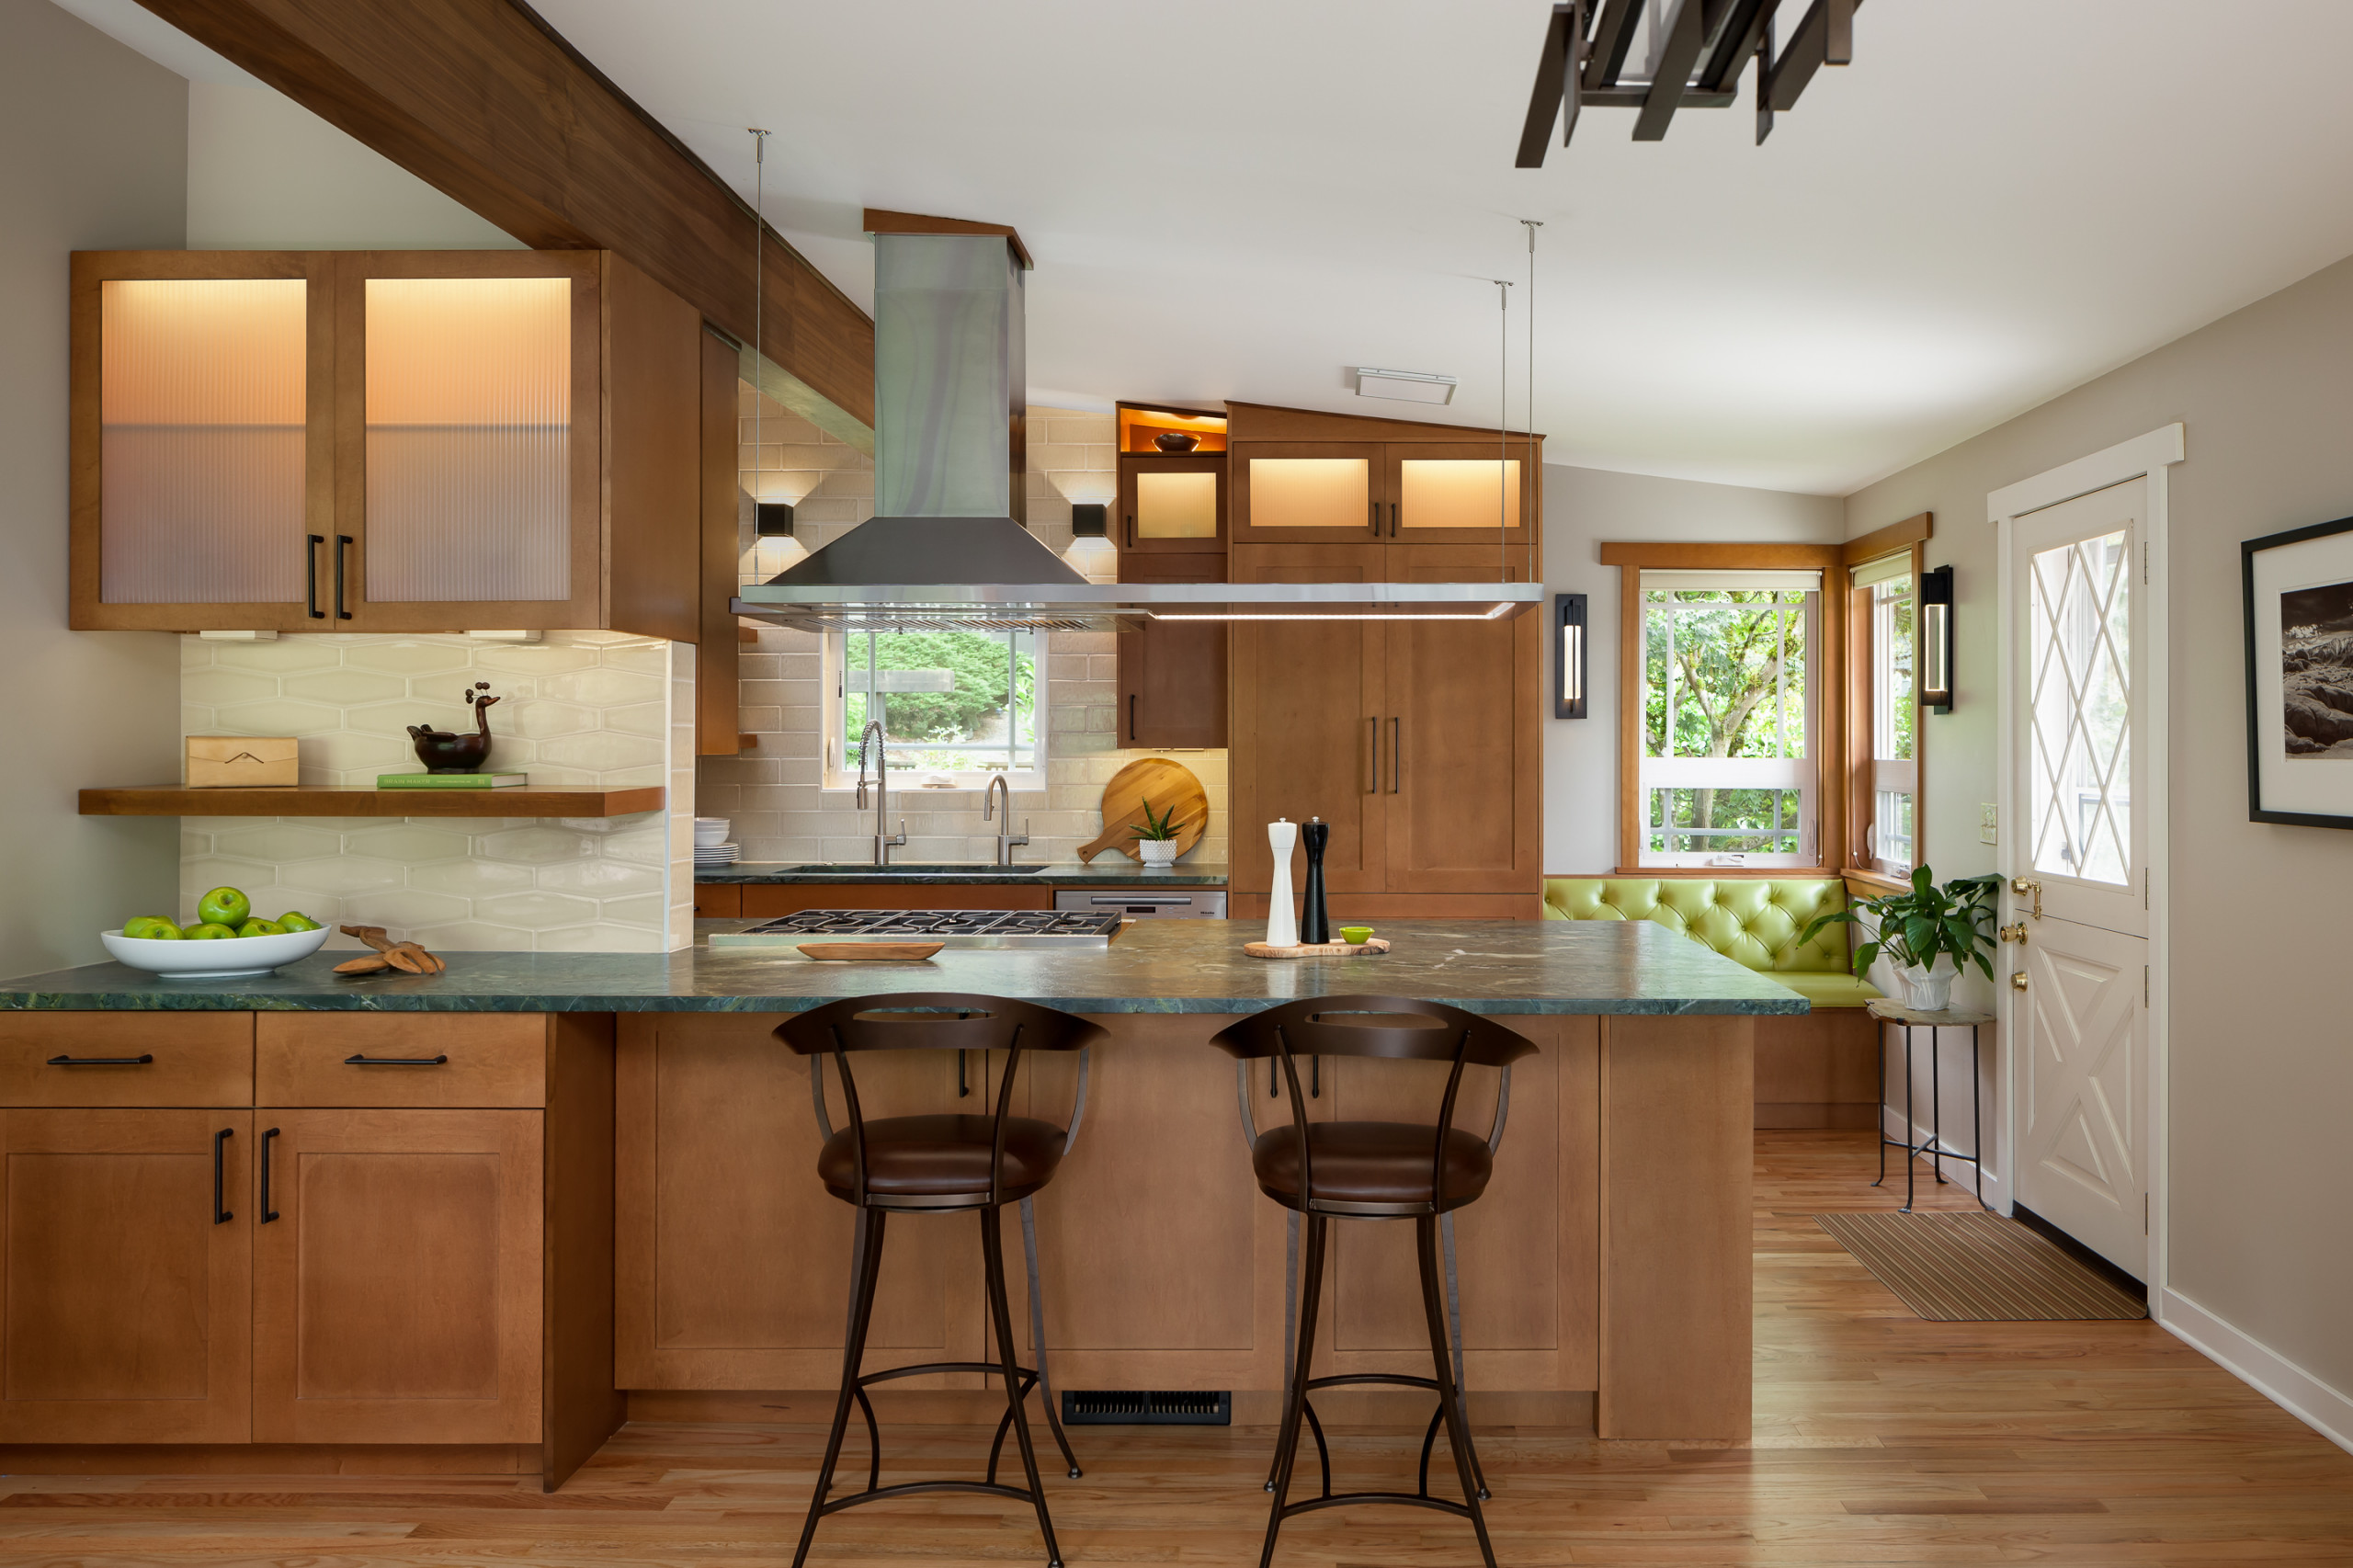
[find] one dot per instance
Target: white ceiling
(1997, 201)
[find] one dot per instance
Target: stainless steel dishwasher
(1146, 903)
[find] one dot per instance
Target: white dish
(710, 831)
(228, 958)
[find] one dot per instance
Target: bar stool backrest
(1378, 1027)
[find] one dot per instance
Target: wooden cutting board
(1165, 786)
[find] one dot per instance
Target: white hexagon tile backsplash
(582, 708)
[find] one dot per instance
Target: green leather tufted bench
(1811, 1072)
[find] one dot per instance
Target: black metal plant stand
(1892, 1012)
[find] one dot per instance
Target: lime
(224, 906)
(295, 920)
(152, 928)
(261, 929)
(209, 931)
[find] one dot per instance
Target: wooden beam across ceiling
(485, 101)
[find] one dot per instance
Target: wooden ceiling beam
(485, 101)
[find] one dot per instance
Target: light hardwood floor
(1879, 1439)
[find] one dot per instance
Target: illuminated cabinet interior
(1176, 505)
(1457, 493)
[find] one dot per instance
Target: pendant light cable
(1532, 482)
(1502, 428)
(759, 300)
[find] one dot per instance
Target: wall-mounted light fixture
(1936, 640)
(1405, 386)
(1089, 519)
(773, 519)
(1568, 655)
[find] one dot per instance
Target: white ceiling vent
(1405, 386)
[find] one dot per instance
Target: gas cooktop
(956, 928)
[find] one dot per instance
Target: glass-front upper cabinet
(469, 473)
(1305, 490)
(1451, 492)
(202, 402)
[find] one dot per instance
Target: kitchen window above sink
(962, 705)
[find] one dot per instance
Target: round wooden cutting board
(1165, 786)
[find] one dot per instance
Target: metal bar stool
(1375, 1170)
(935, 1165)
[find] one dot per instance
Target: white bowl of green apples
(225, 942)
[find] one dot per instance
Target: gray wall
(93, 155)
(1584, 506)
(2262, 1075)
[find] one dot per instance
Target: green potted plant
(1921, 924)
(1156, 840)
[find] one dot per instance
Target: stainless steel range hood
(948, 547)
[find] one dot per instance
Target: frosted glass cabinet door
(202, 453)
(469, 421)
(1450, 492)
(1171, 505)
(1301, 491)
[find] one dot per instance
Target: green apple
(295, 920)
(208, 931)
(152, 928)
(224, 906)
(261, 929)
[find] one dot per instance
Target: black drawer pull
(396, 1061)
(268, 1214)
(102, 1060)
(220, 1216)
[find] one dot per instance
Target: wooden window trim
(1914, 532)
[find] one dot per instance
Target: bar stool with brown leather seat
(934, 1164)
(1375, 1170)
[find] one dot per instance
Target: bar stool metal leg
(1454, 1332)
(865, 1269)
(1458, 1430)
(1037, 1334)
(1290, 1320)
(1001, 1316)
(1295, 1406)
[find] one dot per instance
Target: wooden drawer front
(199, 1058)
(492, 1058)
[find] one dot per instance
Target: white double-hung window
(1730, 774)
(1885, 593)
(953, 703)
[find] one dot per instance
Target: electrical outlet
(1988, 822)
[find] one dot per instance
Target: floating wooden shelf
(360, 801)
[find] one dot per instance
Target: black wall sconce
(773, 519)
(1568, 655)
(1936, 640)
(1090, 519)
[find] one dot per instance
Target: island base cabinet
(127, 1270)
(397, 1278)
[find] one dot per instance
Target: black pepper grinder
(1316, 923)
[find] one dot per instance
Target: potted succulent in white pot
(1156, 840)
(1921, 924)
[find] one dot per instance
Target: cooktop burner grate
(957, 927)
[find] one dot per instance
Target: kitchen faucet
(882, 842)
(997, 789)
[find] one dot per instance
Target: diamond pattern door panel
(2080, 687)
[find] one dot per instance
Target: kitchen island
(516, 1200)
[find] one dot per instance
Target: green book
(449, 780)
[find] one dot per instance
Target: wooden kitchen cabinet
(1171, 505)
(397, 1278)
(1173, 673)
(126, 1252)
(383, 441)
(719, 493)
(1308, 492)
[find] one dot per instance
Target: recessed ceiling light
(1405, 386)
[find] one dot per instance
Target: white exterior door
(2079, 861)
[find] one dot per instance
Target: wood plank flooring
(1880, 1438)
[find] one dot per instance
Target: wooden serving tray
(869, 952)
(1320, 951)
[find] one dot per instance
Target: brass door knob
(2012, 933)
(2024, 889)
(2017, 980)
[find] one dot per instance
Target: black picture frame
(2261, 607)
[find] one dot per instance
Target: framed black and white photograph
(2300, 675)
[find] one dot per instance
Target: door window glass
(2079, 655)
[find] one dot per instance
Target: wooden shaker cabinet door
(397, 1288)
(128, 1295)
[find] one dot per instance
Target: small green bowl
(1355, 934)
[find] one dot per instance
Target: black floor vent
(1138, 1407)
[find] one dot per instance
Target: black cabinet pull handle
(1132, 717)
(1393, 519)
(102, 1061)
(220, 1216)
(268, 1214)
(396, 1061)
(310, 575)
(1396, 756)
(1131, 531)
(342, 544)
(1373, 788)
(1374, 508)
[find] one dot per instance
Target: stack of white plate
(712, 848)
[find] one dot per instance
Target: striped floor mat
(1976, 1268)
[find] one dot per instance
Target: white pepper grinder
(1282, 921)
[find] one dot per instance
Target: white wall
(92, 152)
(2261, 1081)
(1584, 506)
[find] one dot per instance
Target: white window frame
(840, 761)
(1890, 776)
(1800, 774)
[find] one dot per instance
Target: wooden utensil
(1317, 949)
(1163, 785)
(870, 952)
(406, 957)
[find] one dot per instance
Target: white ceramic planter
(1157, 851)
(1927, 990)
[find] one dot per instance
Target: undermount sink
(911, 868)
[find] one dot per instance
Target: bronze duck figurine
(446, 750)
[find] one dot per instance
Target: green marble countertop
(1154, 966)
(1109, 869)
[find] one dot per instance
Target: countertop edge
(438, 1002)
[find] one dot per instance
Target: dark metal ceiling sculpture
(1701, 47)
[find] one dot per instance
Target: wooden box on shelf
(220, 762)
